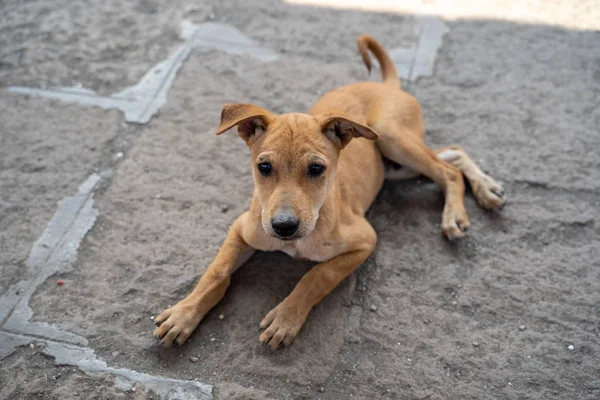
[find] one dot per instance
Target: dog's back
(361, 162)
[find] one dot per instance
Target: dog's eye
(265, 168)
(316, 169)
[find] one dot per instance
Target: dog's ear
(250, 119)
(340, 129)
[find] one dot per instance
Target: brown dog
(313, 185)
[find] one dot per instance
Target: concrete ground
(115, 194)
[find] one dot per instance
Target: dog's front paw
(455, 222)
(488, 193)
(177, 323)
(282, 324)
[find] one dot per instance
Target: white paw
(488, 192)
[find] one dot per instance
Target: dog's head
(294, 161)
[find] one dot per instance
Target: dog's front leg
(178, 322)
(282, 324)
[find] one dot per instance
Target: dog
(315, 176)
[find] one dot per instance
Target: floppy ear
(250, 119)
(341, 130)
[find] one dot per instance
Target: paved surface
(112, 181)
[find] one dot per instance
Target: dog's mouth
(286, 238)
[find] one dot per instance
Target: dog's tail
(388, 69)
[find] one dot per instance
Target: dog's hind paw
(489, 193)
(455, 223)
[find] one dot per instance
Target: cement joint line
(140, 102)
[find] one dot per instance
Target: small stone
(152, 318)
(133, 389)
(454, 303)
(118, 155)
(373, 308)
(221, 316)
(224, 208)
(194, 359)
(321, 390)
(522, 327)
(212, 339)
(571, 347)
(115, 353)
(476, 344)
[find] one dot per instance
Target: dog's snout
(285, 224)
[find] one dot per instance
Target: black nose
(285, 225)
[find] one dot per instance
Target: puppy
(315, 176)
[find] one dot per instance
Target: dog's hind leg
(487, 191)
(408, 150)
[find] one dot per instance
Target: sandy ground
(27, 374)
(490, 316)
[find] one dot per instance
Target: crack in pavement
(85, 359)
(140, 102)
(419, 60)
(53, 252)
